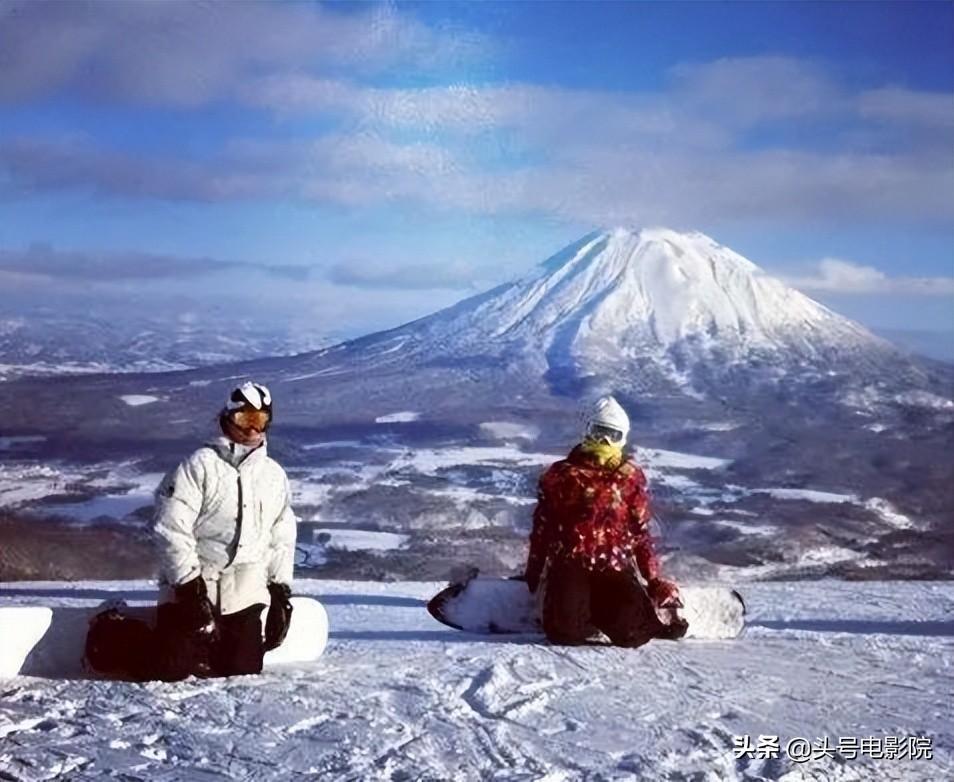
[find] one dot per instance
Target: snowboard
(49, 641)
(481, 604)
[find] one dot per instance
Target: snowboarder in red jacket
(590, 537)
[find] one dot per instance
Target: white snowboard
(480, 604)
(44, 641)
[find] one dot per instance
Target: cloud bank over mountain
(392, 149)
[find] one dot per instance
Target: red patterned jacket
(596, 515)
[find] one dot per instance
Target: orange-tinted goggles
(250, 418)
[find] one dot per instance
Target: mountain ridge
(670, 304)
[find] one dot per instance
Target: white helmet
(606, 420)
(249, 393)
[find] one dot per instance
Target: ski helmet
(606, 420)
(252, 398)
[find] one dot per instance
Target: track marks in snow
(15, 727)
(496, 694)
(396, 698)
(307, 724)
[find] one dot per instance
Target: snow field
(314, 551)
(501, 468)
(11, 443)
(403, 417)
(398, 696)
(138, 400)
(123, 487)
(509, 430)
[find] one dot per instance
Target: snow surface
(509, 430)
(115, 505)
(720, 426)
(403, 417)
(871, 398)
(361, 540)
(9, 443)
(809, 495)
(877, 505)
(402, 465)
(23, 483)
(656, 458)
(135, 491)
(924, 399)
(654, 297)
(397, 696)
(889, 513)
(501, 467)
(314, 552)
(745, 527)
(137, 400)
(428, 461)
(334, 444)
(310, 555)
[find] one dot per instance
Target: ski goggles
(607, 433)
(249, 418)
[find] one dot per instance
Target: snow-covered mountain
(801, 444)
(650, 314)
(649, 305)
(652, 310)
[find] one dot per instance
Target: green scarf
(606, 454)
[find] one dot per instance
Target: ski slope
(398, 696)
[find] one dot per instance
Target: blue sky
(398, 157)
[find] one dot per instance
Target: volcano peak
(623, 298)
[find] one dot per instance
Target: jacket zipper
(238, 521)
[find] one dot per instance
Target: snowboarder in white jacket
(225, 533)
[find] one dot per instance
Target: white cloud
(187, 291)
(540, 112)
(191, 53)
(678, 156)
(749, 90)
(934, 110)
(633, 182)
(834, 275)
(449, 275)
(41, 264)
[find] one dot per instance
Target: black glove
(194, 607)
(279, 615)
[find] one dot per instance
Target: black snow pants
(124, 646)
(236, 649)
(577, 600)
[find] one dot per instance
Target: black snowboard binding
(118, 645)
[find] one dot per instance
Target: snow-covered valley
(384, 505)
(398, 696)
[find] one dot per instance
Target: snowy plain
(398, 696)
(459, 475)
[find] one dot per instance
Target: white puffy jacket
(225, 513)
